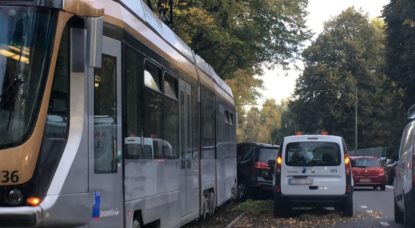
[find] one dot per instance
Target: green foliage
(400, 50)
(233, 35)
(262, 125)
(349, 53)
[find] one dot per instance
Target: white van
(313, 170)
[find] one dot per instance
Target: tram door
(105, 178)
(186, 183)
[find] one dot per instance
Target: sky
(279, 84)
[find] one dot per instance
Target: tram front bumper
(20, 216)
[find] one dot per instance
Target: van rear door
(313, 168)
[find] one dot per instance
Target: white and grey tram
(108, 119)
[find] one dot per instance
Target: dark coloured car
(404, 184)
(390, 171)
(368, 172)
(256, 163)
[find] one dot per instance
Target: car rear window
(312, 154)
(267, 153)
(366, 162)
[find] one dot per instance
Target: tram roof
(141, 10)
(95, 8)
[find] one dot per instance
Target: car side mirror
(271, 164)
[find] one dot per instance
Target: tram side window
(208, 123)
(170, 118)
(133, 123)
(153, 106)
(105, 116)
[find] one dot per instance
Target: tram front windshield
(26, 36)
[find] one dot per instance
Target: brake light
(382, 172)
(347, 164)
(261, 165)
(349, 187)
(346, 160)
(279, 161)
(277, 187)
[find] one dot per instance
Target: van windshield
(312, 154)
(267, 153)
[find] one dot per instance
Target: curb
(230, 225)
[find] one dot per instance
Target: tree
(233, 34)
(250, 130)
(261, 125)
(349, 53)
(400, 48)
(270, 119)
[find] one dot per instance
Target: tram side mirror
(95, 27)
(353, 163)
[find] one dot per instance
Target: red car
(367, 171)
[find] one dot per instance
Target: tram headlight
(14, 197)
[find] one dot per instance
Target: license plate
(302, 181)
(365, 180)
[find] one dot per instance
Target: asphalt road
(375, 207)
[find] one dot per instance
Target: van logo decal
(304, 170)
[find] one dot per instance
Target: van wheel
(136, 220)
(205, 207)
(407, 219)
(397, 213)
(277, 210)
(212, 203)
(348, 209)
(383, 187)
(136, 224)
(280, 210)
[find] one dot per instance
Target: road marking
(388, 186)
(363, 207)
(384, 223)
(369, 211)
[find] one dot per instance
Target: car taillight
(347, 164)
(261, 165)
(278, 163)
(382, 172)
(348, 169)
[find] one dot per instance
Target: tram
(108, 119)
